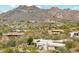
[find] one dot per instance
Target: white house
(74, 34)
(46, 44)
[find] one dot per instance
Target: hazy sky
(4, 8)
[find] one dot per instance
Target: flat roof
(13, 33)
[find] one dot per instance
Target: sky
(4, 8)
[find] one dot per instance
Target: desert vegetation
(35, 23)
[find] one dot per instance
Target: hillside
(33, 13)
(25, 13)
(20, 27)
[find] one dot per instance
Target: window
(76, 34)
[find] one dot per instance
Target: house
(12, 35)
(55, 31)
(74, 34)
(72, 29)
(47, 44)
(19, 30)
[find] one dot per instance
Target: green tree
(29, 41)
(0, 35)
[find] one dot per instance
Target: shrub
(29, 41)
(76, 39)
(0, 33)
(56, 37)
(2, 45)
(70, 44)
(9, 50)
(16, 50)
(11, 43)
(21, 40)
(32, 49)
(62, 49)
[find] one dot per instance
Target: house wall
(0, 37)
(5, 37)
(54, 32)
(73, 34)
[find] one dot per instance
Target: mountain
(65, 14)
(1, 12)
(33, 13)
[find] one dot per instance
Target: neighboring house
(55, 31)
(19, 30)
(72, 29)
(12, 35)
(74, 34)
(46, 44)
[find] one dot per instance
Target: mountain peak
(55, 8)
(27, 7)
